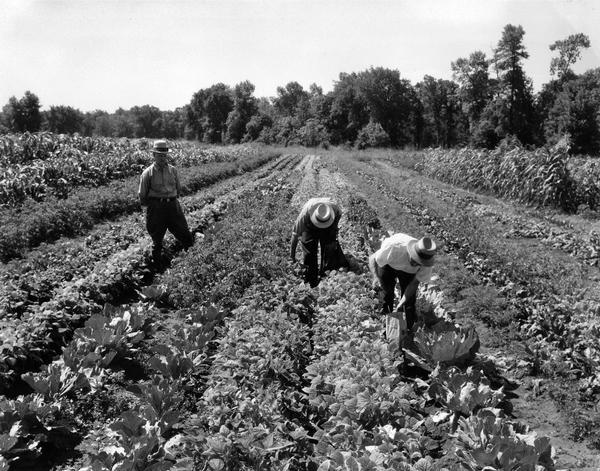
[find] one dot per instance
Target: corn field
(546, 177)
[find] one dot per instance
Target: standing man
(407, 260)
(317, 224)
(159, 189)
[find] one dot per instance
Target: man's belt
(162, 200)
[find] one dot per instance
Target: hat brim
(160, 151)
(413, 254)
(322, 224)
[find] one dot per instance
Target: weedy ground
(504, 261)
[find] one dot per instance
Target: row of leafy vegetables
(87, 371)
(291, 378)
(52, 292)
(558, 324)
(453, 418)
(36, 222)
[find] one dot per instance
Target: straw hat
(322, 216)
(422, 251)
(160, 147)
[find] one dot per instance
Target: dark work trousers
(163, 215)
(309, 242)
(387, 278)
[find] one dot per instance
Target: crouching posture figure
(408, 261)
(317, 224)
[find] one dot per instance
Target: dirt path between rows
(532, 401)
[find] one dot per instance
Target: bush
(509, 143)
(372, 135)
(313, 134)
(258, 125)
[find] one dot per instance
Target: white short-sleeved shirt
(394, 252)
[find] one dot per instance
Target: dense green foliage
(38, 165)
(488, 100)
(540, 177)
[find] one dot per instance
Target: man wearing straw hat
(317, 224)
(158, 191)
(408, 261)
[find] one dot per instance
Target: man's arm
(299, 228)
(177, 184)
(338, 215)
(144, 188)
(411, 290)
(294, 245)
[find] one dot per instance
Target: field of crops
(546, 177)
(225, 360)
(45, 165)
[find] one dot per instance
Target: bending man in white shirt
(405, 260)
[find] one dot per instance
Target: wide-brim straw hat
(160, 147)
(322, 216)
(422, 251)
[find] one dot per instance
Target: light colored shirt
(157, 182)
(394, 252)
(303, 222)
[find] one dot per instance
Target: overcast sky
(105, 54)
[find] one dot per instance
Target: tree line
(490, 99)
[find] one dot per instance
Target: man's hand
(401, 303)
(399, 315)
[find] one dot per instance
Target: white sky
(105, 54)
